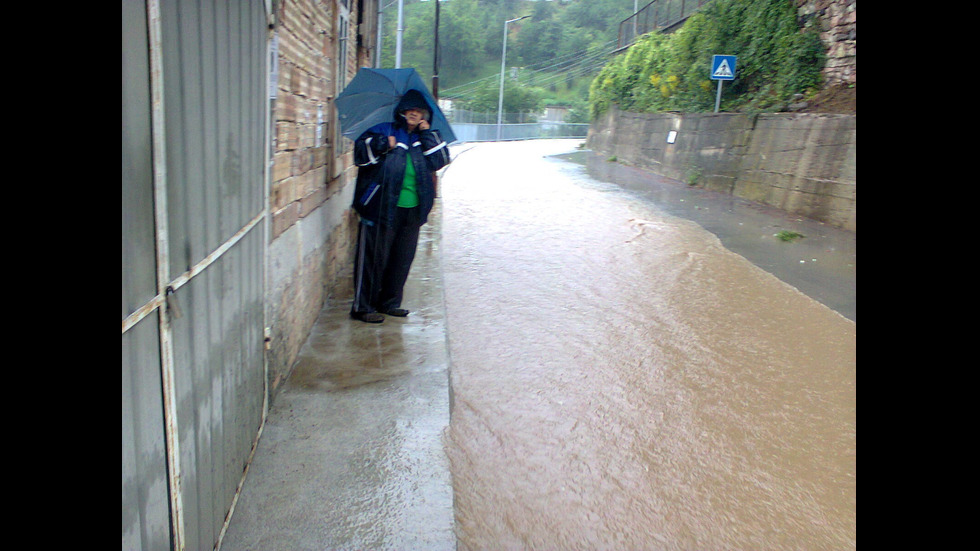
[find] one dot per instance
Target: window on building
(343, 46)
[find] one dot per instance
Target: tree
(517, 99)
(471, 32)
(459, 39)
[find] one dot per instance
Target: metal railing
(472, 126)
(658, 15)
(477, 132)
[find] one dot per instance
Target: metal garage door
(193, 234)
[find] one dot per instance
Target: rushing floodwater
(621, 380)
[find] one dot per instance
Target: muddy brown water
(622, 380)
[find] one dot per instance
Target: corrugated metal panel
(214, 59)
(194, 148)
(145, 495)
(219, 385)
(138, 254)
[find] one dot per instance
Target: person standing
(393, 195)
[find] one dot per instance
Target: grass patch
(693, 175)
(787, 235)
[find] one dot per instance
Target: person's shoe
(397, 312)
(368, 317)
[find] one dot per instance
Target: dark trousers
(382, 261)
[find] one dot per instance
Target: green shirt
(409, 196)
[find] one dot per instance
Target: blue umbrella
(371, 96)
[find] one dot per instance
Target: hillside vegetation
(563, 55)
(554, 53)
(778, 62)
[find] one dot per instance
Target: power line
(582, 55)
(576, 64)
(580, 66)
(599, 50)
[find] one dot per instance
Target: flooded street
(622, 379)
(822, 263)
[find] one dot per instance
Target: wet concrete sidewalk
(351, 455)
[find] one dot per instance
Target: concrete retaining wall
(799, 162)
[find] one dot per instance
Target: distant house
(554, 113)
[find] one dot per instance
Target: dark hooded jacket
(380, 171)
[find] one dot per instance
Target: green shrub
(660, 72)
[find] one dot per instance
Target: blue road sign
(723, 67)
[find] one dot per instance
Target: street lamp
(503, 62)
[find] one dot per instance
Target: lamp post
(503, 62)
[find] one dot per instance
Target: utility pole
(380, 33)
(398, 38)
(435, 58)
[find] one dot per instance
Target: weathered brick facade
(300, 161)
(311, 175)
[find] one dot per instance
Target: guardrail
(476, 132)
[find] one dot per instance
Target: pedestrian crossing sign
(723, 67)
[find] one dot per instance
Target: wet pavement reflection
(351, 454)
(624, 379)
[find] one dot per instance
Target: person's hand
(391, 142)
(424, 125)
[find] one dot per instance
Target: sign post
(722, 68)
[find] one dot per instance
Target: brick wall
(300, 161)
(311, 176)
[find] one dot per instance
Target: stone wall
(802, 163)
(837, 22)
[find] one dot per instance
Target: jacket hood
(412, 99)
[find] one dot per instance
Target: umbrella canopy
(372, 95)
